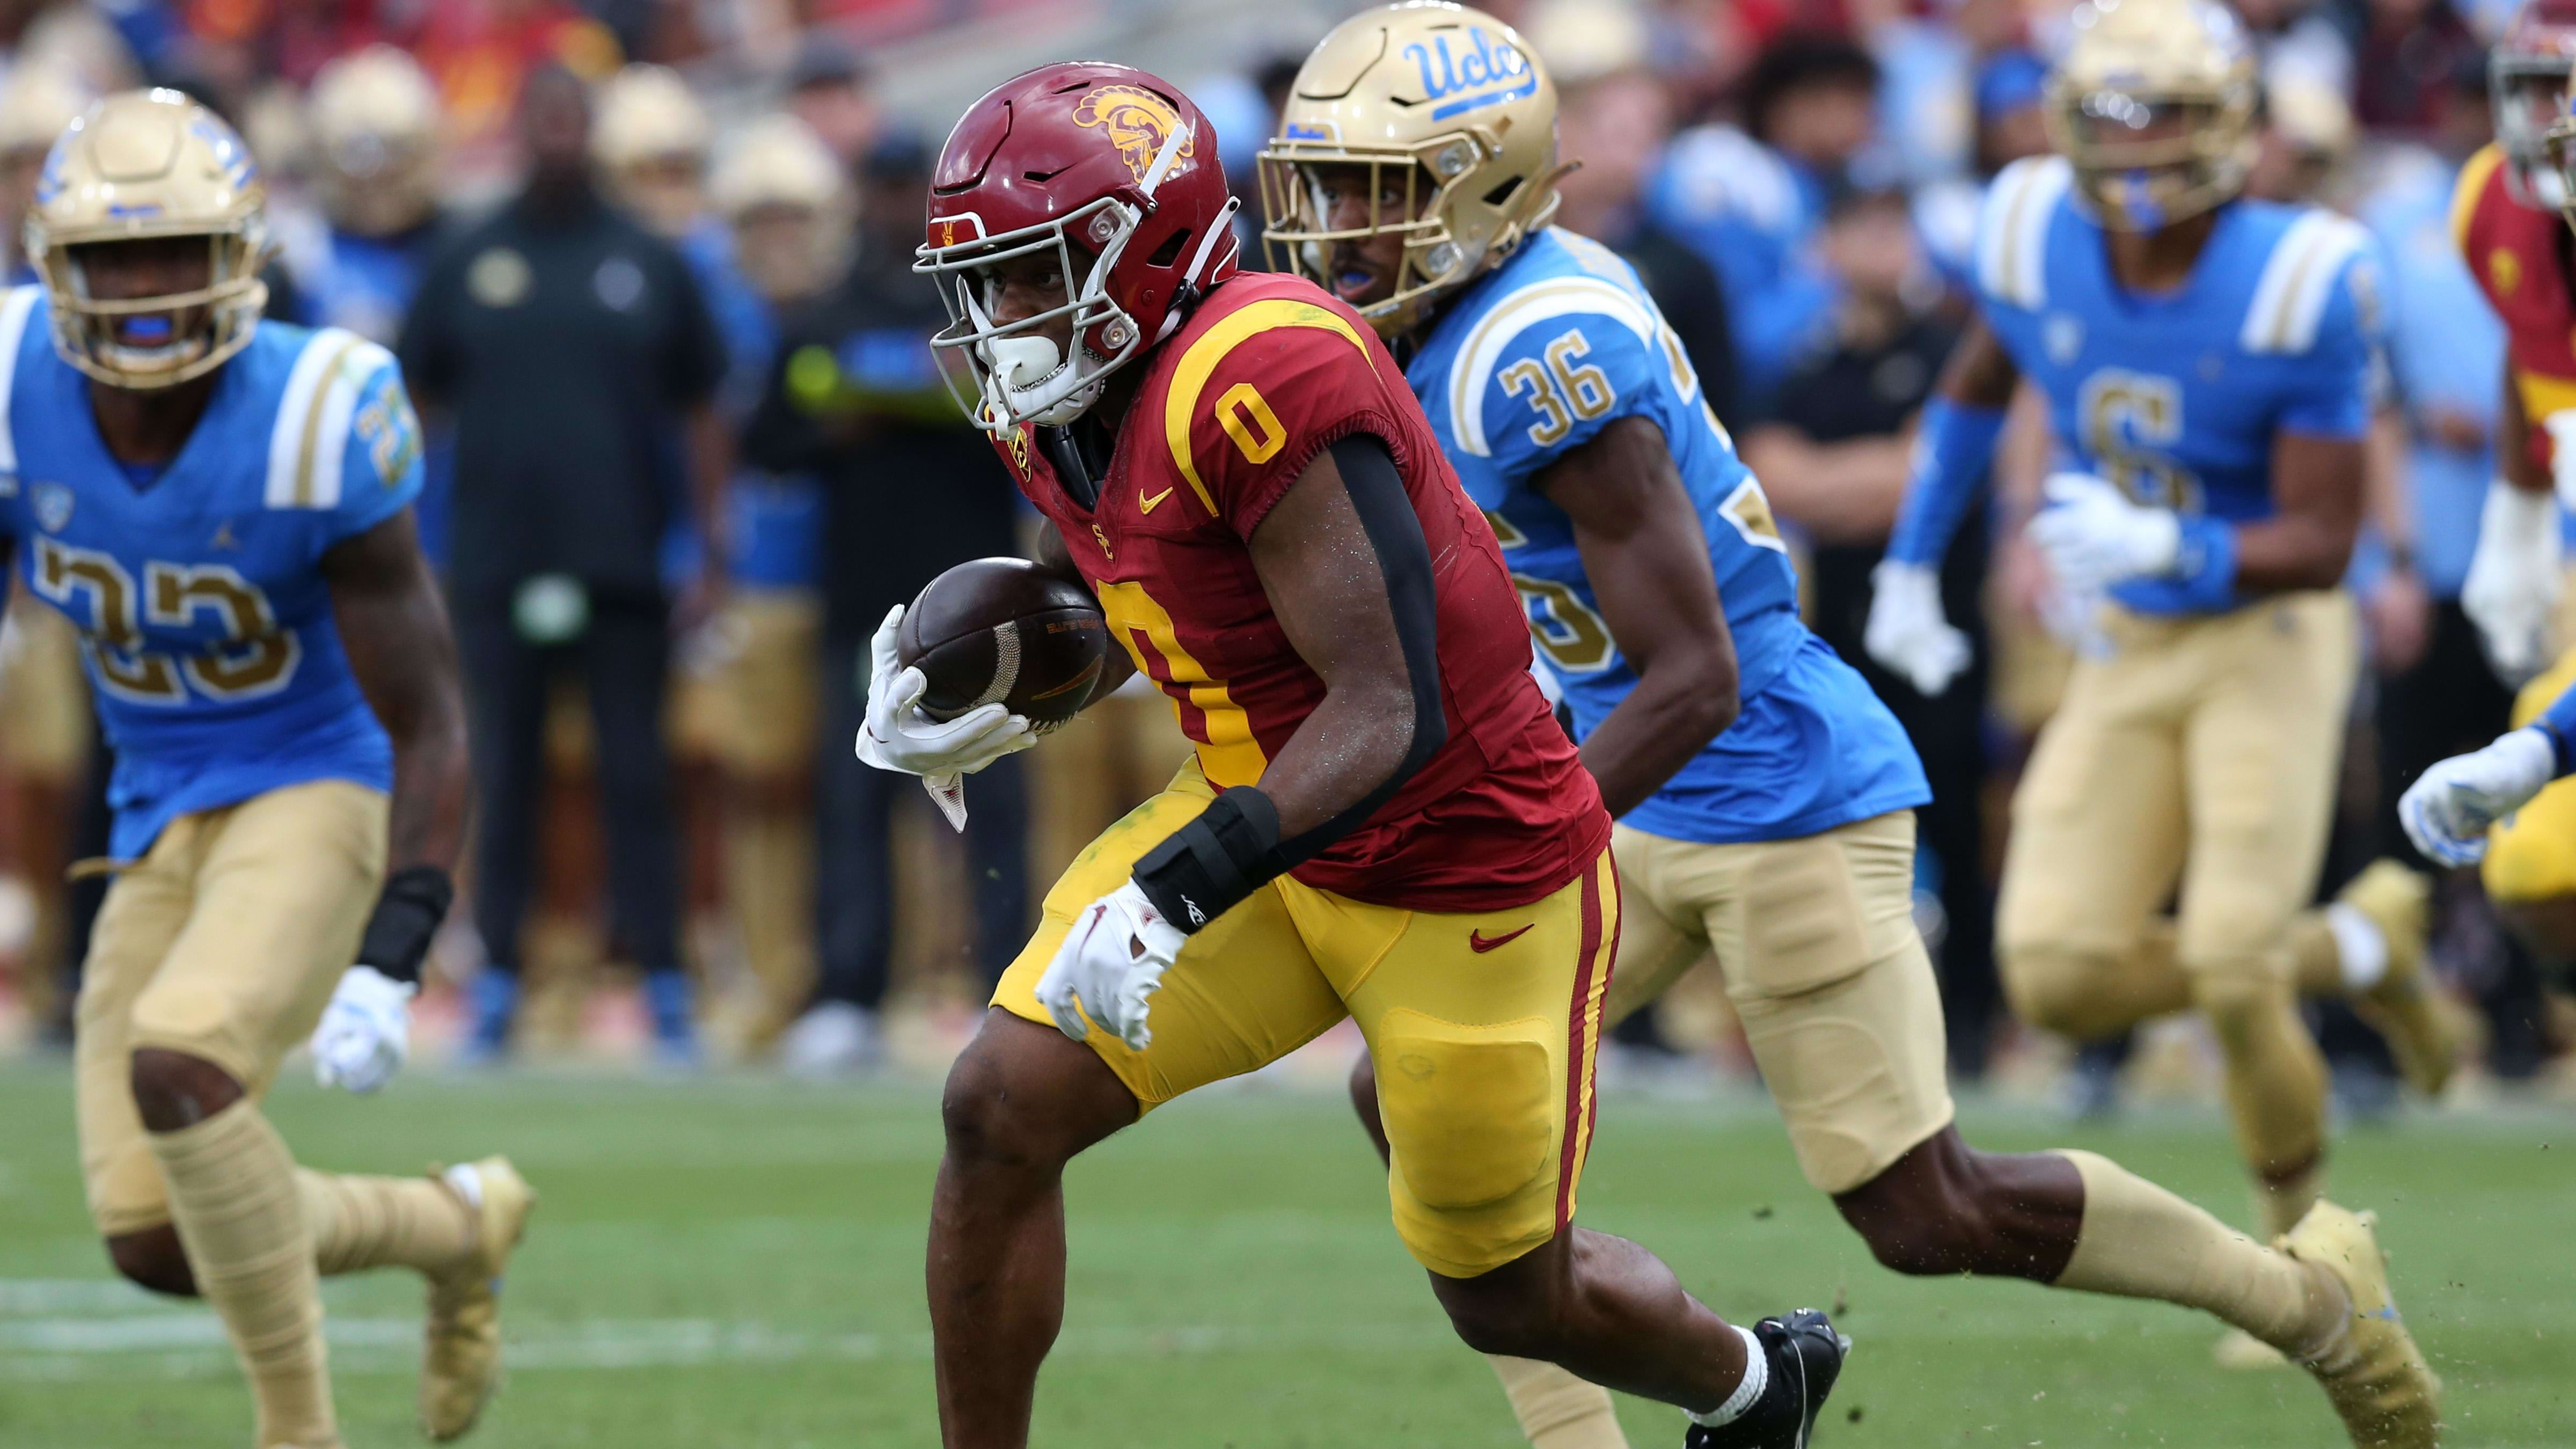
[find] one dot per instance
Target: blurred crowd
(646, 265)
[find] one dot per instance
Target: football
(1001, 630)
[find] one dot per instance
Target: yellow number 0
(1247, 419)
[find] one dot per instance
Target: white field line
(58, 1330)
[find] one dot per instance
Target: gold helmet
(2154, 105)
(1448, 108)
(652, 137)
(781, 191)
(35, 106)
(375, 121)
(139, 166)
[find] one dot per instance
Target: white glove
(1907, 632)
(901, 738)
(1110, 964)
(2094, 537)
(2561, 427)
(365, 1033)
(2512, 589)
(2447, 810)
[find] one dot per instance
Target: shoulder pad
(2299, 280)
(309, 441)
(15, 307)
(1483, 348)
(2012, 231)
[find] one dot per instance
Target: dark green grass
(737, 1263)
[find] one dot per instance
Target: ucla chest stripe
(15, 308)
(1496, 331)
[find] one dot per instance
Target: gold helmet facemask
(2154, 106)
(1447, 118)
(139, 166)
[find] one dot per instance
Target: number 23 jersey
(206, 623)
(1265, 374)
(1532, 361)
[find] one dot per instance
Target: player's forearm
(1954, 447)
(1845, 492)
(711, 454)
(1350, 748)
(1682, 702)
(2292, 553)
(2514, 460)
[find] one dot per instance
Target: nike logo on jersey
(1480, 943)
(1148, 505)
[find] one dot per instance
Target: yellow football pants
(2200, 754)
(1484, 1027)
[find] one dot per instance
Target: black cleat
(1806, 1356)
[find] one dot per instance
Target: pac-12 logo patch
(1138, 122)
(53, 504)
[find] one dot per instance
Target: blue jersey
(367, 282)
(2178, 398)
(1533, 361)
(205, 619)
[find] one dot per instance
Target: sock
(2140, 1241)
(2316, 954)
(234, 1199)
(1757, 1377)
(2361, 949)
(370, 1222)
(1556, 1409)
(2278, 1206)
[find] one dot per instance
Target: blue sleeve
(2342, 378)
(380, 473)
(1559, 381)
(1952, 449)
(2560, 722)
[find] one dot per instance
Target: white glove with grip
(2094, 537)
(1110, 965)
(2511, 592)
(365, 1034)
(2447, 810)
(1907, 632)
(900, 737)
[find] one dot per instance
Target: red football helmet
(2527, 86)
(1116, 171)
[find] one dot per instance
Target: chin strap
(1161, 165)
(1220, 229)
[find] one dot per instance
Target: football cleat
(2403, 1007)
(460, 1362)
(1806, 1355)
(2376, 1377)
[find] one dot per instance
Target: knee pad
(2240, 997)
(1471, 1112)
(2050, 986)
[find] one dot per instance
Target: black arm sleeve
(1234, 848)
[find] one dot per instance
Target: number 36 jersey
(1532, 361)
(205, 620)
(2178, 398)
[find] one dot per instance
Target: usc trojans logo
(1138, 122)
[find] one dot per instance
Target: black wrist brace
(414, 901)
(1209, 865)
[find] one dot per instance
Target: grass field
(736, 1262)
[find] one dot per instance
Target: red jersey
(2519, 254)
(1269, 371)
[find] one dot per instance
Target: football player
(2207, 361)
(2505, 218)
(783, 196)
(1381, 820)
(1765, 796)
(221, 505)
(375, 118)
